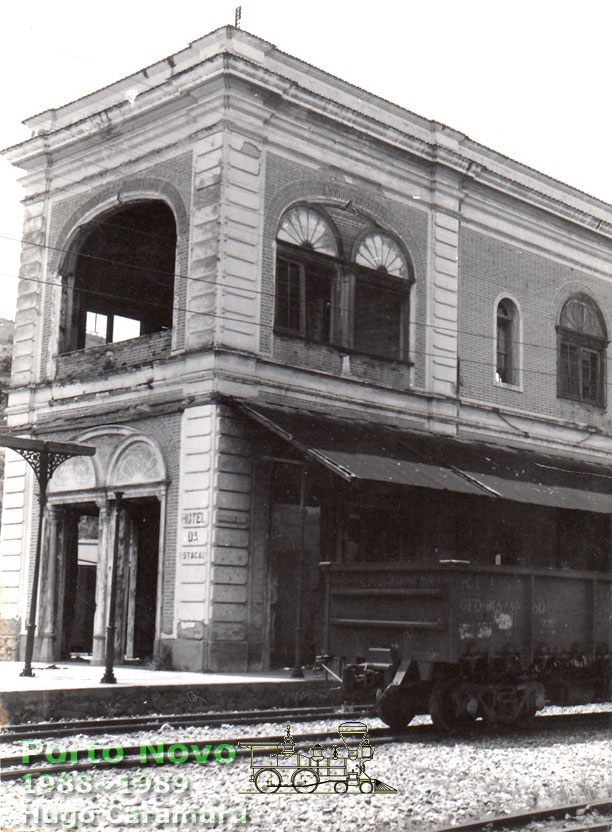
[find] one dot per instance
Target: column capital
(52, 512)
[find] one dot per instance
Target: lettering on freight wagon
(497, 615)
(473, 631)
(494, 606)
(365, 580)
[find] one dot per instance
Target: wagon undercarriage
(462, 641)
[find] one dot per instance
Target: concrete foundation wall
(132, 700)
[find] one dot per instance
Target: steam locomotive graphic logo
(323, 770)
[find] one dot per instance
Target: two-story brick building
(298, 323)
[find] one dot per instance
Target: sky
(528, 79)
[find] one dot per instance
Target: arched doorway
(85, 522)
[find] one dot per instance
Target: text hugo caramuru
(38, 815)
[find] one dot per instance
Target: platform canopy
(357, 450)
(20, 443)
(44, 455)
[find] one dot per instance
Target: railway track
(578, 817)
(192, 750)
(132, 756)
(124, 725)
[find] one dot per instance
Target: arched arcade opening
(118, 277)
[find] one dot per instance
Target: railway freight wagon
(460, 640)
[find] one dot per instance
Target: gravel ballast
(439, 782)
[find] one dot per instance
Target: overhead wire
(259, 324)
(247, 290)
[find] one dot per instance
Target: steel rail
(119, 725)
(514, 823)
(11, 770)
(112, 725)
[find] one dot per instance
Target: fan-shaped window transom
(381, 253)
(359, 303)
(581, 315)
(302, 226)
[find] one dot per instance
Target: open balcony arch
(118, 276)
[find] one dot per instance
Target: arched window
(302, 226)
(381, 310)
(506, 365)
(118, 281)
(305, 273)
(357, 303)
(582, 339)
(381, 253)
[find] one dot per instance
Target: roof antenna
(238, 17)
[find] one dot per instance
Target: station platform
(73, 690)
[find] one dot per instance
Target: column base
(98, 650)
(46, 648)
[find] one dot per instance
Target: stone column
(105, 559)
(229, 630)
(47, 594)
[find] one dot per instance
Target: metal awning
(558, 496)
(549, 484)
(363, 451)
(358, 451)
(525, 476)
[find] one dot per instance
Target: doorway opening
(77, 584)
(294, 555)
(137, 578)
(137, 572)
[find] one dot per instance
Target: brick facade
(539, 283)
(287, 183)
(230, 135)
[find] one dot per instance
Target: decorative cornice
(386, 123)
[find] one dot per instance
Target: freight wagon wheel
(267, 781)
(527, 714)
(394, 708)
(530, 708)
(442, 708)
(305, 780)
